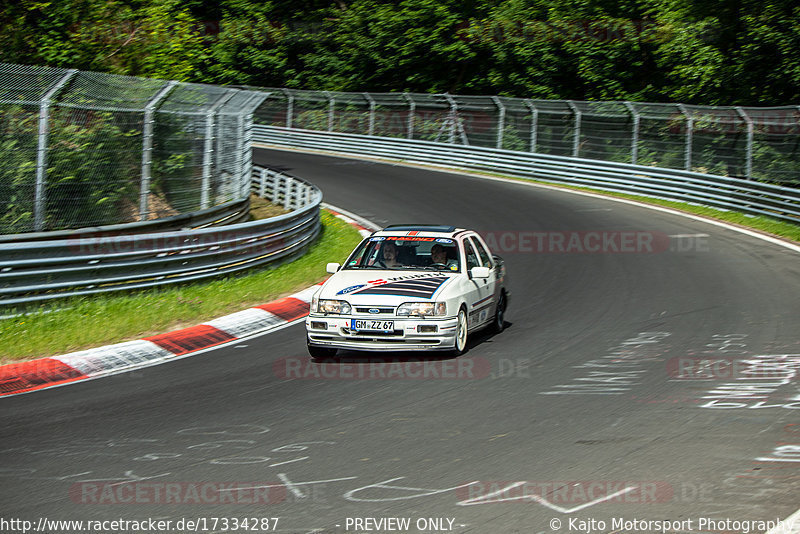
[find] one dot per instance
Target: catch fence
(742, 142)
(82, 149)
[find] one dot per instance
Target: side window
(485, 257)
(472, 256)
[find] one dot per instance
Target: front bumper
(333, 331)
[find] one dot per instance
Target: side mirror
(332, 267)
(479, 272)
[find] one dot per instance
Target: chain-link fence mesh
(82, 149)
(753, 143)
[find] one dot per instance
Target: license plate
(372, 326)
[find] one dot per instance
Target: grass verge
(75, 324)
(764, 224)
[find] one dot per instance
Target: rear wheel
(320, 353)
(499, 322)
(461, 334)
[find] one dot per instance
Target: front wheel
(461, 334)
(320, 353)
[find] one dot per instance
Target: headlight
(422, 308)
(333, 306)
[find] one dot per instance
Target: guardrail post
(371, 127)
(262, 185)
(577, 133)
(275, 181)
(412, 107)
(287, 195)
(635, 133)
(748, 165)
(687, 165)
(534, 122)
(501, 121)
(208, 149)
(147, 146)
(40, 191)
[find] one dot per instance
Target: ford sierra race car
(409, 287)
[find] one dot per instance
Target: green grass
(80, 323)
(764, 224)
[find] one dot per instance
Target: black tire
(460, 346)
(499, 321)
(320, 353)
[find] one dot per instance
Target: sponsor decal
(422, 287)
(406, 238)
(350, 289)
(412, 285)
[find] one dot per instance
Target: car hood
(387, 287)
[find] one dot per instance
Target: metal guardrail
(746, 196)
(228, 213)
(85, 264)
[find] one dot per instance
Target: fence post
(330, 110)
(687, 165)
(412, 106)
(501, 121)
(534, 122)
(208, 149)
(453, 117)
(635, 133)
(40, 191)
(748, 165)
(244, 146)
(371, 127)
(289, 107)
(147, 146)
(577, 133)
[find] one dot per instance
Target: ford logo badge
(374, 310)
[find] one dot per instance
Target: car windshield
(406, 253)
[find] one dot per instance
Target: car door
(480, 297)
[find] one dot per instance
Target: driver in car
(439, 257)
(389, 258)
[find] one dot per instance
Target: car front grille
(382, 310)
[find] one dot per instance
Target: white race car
(409, 287)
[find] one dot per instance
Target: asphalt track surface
(590, 406)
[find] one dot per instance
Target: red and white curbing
(122, 357)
